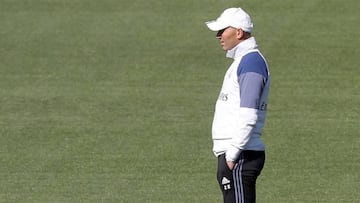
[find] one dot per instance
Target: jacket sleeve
(246, 123)
(251, 87)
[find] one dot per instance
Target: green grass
(112, 101)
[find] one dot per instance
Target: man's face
(228, 38)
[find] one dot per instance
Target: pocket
(226, 165)
(223, 167)
(224, 174)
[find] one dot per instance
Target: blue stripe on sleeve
(252, 75)
(253, 62)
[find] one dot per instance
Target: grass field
(112, 101)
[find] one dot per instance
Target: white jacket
(241, 106)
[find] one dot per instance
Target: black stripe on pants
(239, 185)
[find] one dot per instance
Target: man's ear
(239, 33)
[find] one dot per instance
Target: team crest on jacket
(223, 96)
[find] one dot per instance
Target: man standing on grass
(240, 109)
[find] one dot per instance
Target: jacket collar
(242, 48)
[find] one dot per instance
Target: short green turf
(112, 100)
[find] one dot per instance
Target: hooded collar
(242, 48)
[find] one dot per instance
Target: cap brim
(215, 25)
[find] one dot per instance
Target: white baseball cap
(232, 17)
